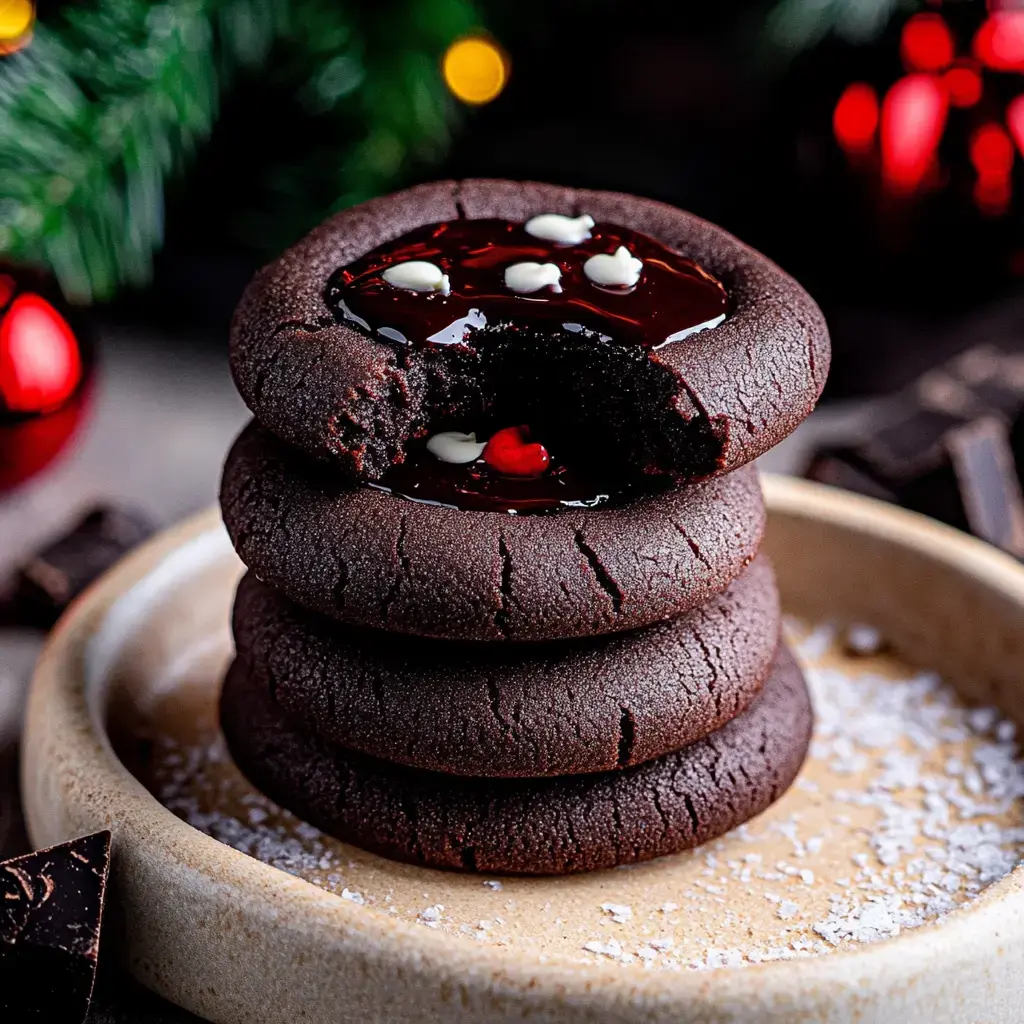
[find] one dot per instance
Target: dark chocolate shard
(47, 583)
(51, 906)
(942, 446)
(983, 463)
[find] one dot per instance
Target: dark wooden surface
(164, 415)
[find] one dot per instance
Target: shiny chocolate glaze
(673, 296)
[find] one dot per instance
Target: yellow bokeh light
(475, 69)
(16, 17)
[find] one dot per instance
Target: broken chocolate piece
(53, 578)
(983, 463)
(51, 906)
(942, 447)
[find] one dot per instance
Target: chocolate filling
(579, 366)
(422, 477)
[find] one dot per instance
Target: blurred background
(154, 154)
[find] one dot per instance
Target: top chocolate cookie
(628, 334)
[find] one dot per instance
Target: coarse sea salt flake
(619, 912)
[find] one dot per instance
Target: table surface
(164, 414)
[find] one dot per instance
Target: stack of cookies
(505, 610)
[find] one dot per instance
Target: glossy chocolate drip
(478, 488)
(673, 295)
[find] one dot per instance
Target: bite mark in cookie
(695, 407)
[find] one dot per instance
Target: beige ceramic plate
(235, 939)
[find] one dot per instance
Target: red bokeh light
(991, 151)
(992, 194)
(999, 43)
(40, 362)
(913, 118)
(855, 119)
(963, 85)
(926, 43)
(1015, 121)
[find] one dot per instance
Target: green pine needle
(116, 96)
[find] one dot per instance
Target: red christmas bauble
(43, 368)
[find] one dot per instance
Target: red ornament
(40, 363)
(42, 370)
(30, 444)
(511, 452)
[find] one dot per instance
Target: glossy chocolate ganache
(534, 302)
(481, 486)
(486, 275)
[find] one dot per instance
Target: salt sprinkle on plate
(910, 804)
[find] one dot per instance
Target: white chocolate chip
(417, 276)
(554, 227)
(525, 278)
(455, 447)
(620, 268)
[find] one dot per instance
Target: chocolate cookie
(332, 383)
(524, 710)
(372, 559)
(535, 826)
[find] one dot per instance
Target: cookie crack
(505, 587)
(403, 558)
(321, 323)
(691, 810)
(713, 688)
(403, 561)
(627, 736)
(693, 545)
(603, 577)
(265, 368)
(665, 820)
(494, 696)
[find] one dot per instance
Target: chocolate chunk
(983, 463)
(942, 447)
(46, 584)
(51, 905)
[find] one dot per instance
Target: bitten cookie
(522, 710)
(371, 559)
(536, 826)
(321, 376)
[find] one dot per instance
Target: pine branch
(796, 25)
(116, 96)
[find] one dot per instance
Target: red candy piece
(510, 451)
